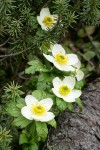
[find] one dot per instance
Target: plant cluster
(56, 89)
(54, 75)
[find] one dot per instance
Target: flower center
(61, 59)
(48, 21)
(38, 109)
(64, 90)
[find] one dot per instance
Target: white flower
(61, 60)
(78, 73)
(46, 20)
(37, 110)
(65, 89)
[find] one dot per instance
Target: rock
(79, 131)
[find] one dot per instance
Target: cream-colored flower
(37, 110)
(46, 20)
(61, 60)
(78, 73)
(65, 89)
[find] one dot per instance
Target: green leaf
(35, 65)
(45, 81)
(89, 29)
(39, 94)
(79, 102)
(61, 104)
(13, 110)
(33, 146)
(52, 123)
(42, 131)
(79, 84)
(89, 55)
(23, 139)
(20, 102)
(70, 106)
(21, 122)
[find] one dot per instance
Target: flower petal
(77, 65)
(49, 58)
(39, 20)
(29, 99)
(47, 117)
(73, 59)
(25, 111)
(44, 27)
(69, 81)
(57, 48)
(56, 93)
(44, 12)
(74, 94)
(63, 67)
(55, 18)
(43, 118)
(79, 75)
(69, 100)
(57, 65)
(67, 68)
(57, 83)
(48, 102)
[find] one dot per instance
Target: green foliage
(79, 102)
(91, 12)
(61, 104)
(70, 107)
(44, 81)
(5, 139)
(22, 36)
(27, 140)
(35, 65)
(80, 84)
(21, 122)
(12, 91)
(52, 123)
(39, 94)
(14, 110)
(42, 131)
(66, 14)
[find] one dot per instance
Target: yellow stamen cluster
(38, 109)
(48, 21)
(64, 90)
(61, 59)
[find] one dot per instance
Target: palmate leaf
(35, 65)
(21, 122)
(79, 102)
(79, 84)
(30, 146)
(28, 140)
(45, 80)
(39, 94)
(52, 123)
(20, 102)
(42, 130)
(13, 110)
(61, 104)
(23, 138)
(70, 106)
